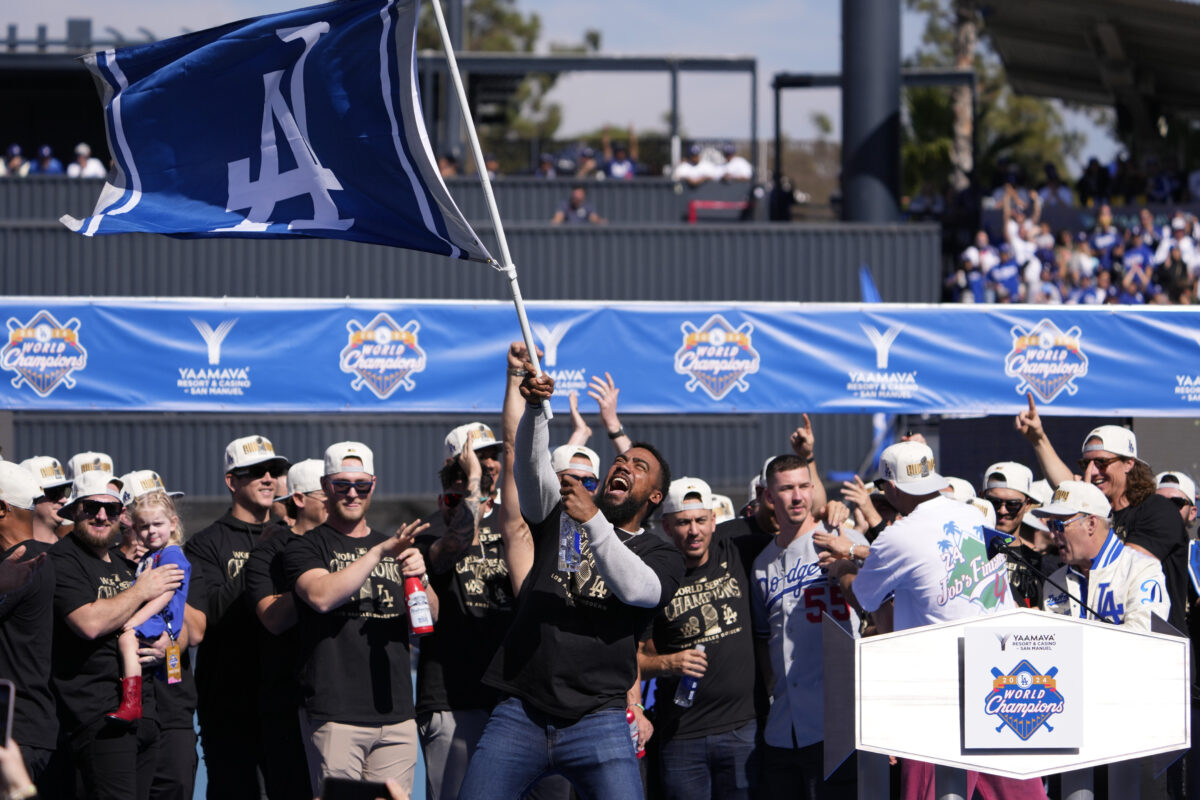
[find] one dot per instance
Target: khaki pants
(360, 752)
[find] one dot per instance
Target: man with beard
(94, 596)
(222, 619)
(487, 450)
(570, 655)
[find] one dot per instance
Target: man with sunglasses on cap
(94, 596)
(55, 486)
(269, 593)
(1103, 578)
(1180, 490)
(355, 670)
(221, 617)
(1008, 489)
(1142, 519)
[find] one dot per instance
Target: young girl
(157, 528)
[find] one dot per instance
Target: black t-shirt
(572, 646)
(230, 646)
(749, 538)
(712, 608)
(26, 630)
(265, 577)
(1155, 524)
(86, 674)
(354, 661)
(475, 608)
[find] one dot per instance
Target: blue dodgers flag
(305, 123)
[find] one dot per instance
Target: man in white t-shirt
(934, 562)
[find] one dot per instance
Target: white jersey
(934, 561)
(1123, 586)
(790, 594)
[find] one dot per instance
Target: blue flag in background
(304, 123)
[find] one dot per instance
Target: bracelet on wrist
(23, 792)
(517, 372)
(618, 433)
(638, 705)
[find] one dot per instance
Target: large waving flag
(304, 123)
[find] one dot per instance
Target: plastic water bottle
(686, 692)
(420, 618)
(568, 544)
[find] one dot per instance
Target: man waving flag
(304, 123)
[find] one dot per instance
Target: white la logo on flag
(308, 177)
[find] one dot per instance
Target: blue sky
(784, 35)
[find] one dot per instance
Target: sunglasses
(91, 508)
(590, 483)
(55, 493)
(1058, 525)
(274, 469)
(1180, 502)
(344, 487)
(1011, 506)
(1100, 463)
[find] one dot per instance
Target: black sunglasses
(90, 508)
(344, 487)
(55, 493)
(1100, 463)
(274, 468)
(590, 483)
(1011, 506)
(1180, 502)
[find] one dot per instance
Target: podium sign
(1023, 688)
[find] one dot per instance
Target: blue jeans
(520, 744)
(716, 766)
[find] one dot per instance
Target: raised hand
(803, 440)
(1029, 424)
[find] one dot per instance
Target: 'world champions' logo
(1024, 699)
(43, 353)
(716, 357)
(382, 355)
(1046, 360)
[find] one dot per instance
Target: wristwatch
(618, 433)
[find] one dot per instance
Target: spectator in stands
(927, 203)
(545, 168)
(1004, 279)
(1165, 184)
(587, 165)
(15, 163)
(448, 165)
(735, 168)
(1054, 192)
(1177, 238)
(693, 170)
(46, 163)
(1175, 278)
(576, 210)
(620, 162)
(1105, 237)
(1148, 233)
(967, 284)
(84, 165)
(492, 165)
(1093, 185)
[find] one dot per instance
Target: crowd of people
(537, 601)
(17, 164)
(1155, 261)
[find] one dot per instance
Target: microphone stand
(1010, 551)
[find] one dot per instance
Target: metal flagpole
(509, 269)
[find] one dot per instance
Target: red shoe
(131, 701)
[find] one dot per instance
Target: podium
(1019, 694)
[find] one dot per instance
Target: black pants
(175, 769)
(283, 759)
(800, 772)
(233, 759)
(115, 761)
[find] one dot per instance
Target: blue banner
(304, 123)
(364, 356)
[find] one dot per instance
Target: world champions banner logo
(43, 353)
(1046, 360)
(717, 357)
(382, 355)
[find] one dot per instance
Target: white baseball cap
(46, 471)
(141, 482)
(1177, 480)
(985, 508)
(678, 491)
(18, 487)
(89, 484)
(457, 438)
(248, 451)
(1042, 493)
(305, 476)
(1076, 497)
(335, 454)
(1114, 439)
(723, 508)
(910, 466)
(89, 461)
(560, 459)
(960, 489)
(1009, 475)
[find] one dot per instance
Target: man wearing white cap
(935, 562)
(704, 748)
(1181, 491)
(55, 486)
(1143, 520)
(90, 461)
(487, 450)
(269, 593)
(219, 614)
(789, 595)
(94, 596)
(1121, 585)
(355, 673)
(26, 618)
(1008, 488)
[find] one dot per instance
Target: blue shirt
(1008, 275)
